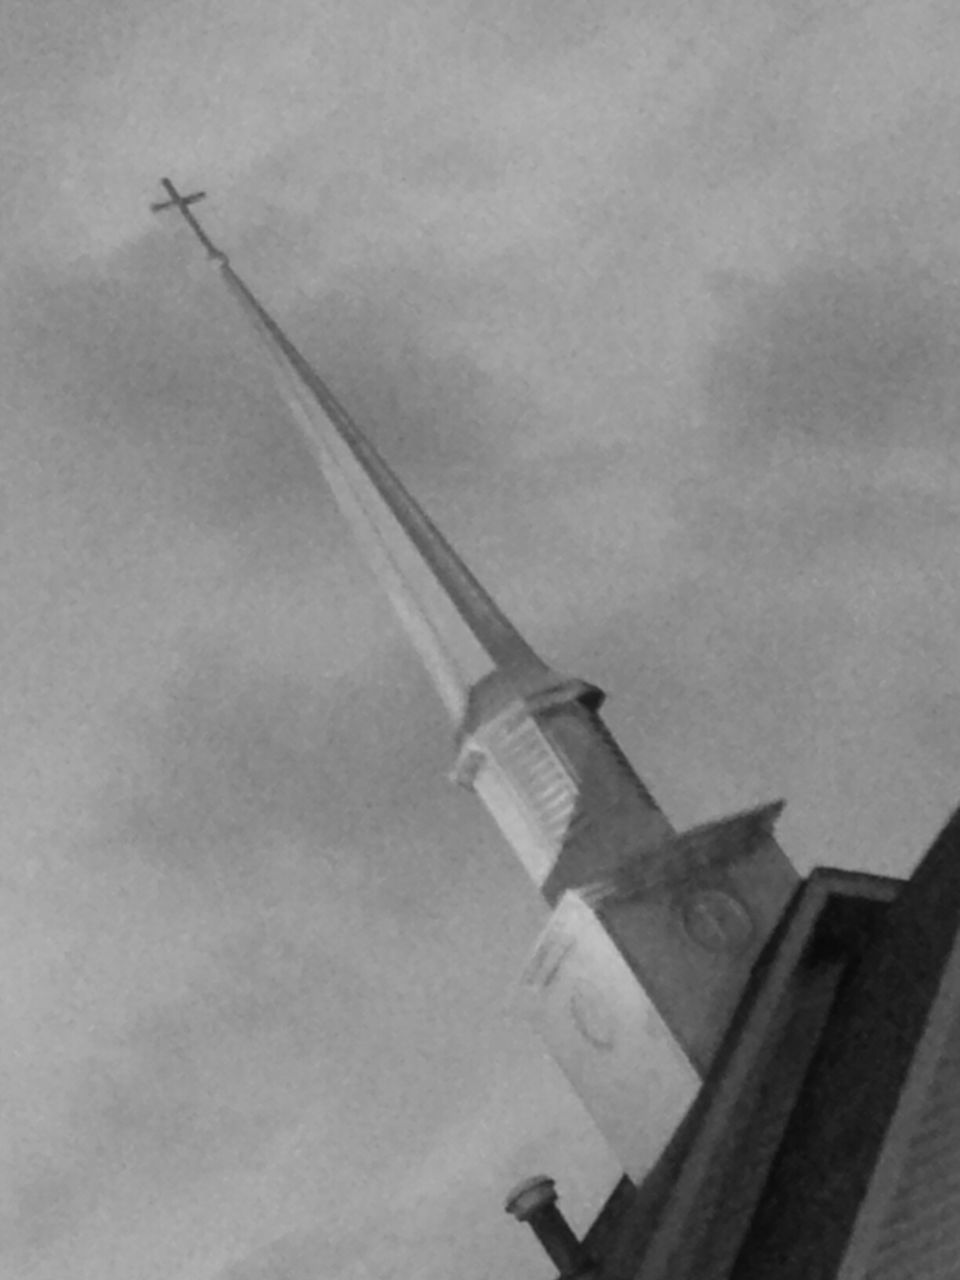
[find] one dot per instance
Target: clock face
(717, 920)
(592, 1015)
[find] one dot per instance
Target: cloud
(453, 1193)
(655, 315)
(850, 356)
(195, 86)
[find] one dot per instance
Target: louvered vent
(539, 777)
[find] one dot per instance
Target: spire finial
(182, 203)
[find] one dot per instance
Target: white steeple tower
(688, 914)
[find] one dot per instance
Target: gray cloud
(302, 1255)
(656, 315)
(841, 354)
(153, 360)
(48, 1203)
(234, 758)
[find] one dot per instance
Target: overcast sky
(657, 307)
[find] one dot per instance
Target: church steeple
(481, 666)
(689, 914)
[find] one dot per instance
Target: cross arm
(181, 202)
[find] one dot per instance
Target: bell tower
(667, 924)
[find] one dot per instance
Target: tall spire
(460, 631)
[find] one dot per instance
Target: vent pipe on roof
(535, 1201)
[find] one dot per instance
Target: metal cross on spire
(182, 203)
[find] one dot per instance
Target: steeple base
(635, 980)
